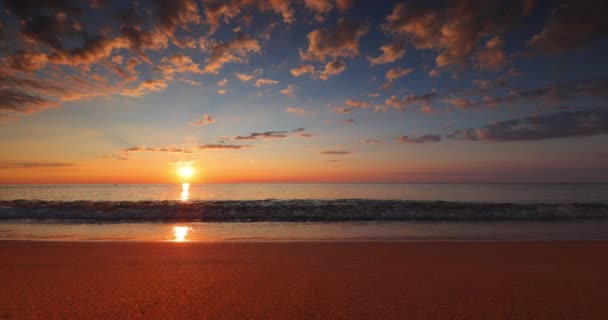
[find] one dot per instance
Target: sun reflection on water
(180, 233)
(185, 195)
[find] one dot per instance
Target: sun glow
(186, 172)
(180, 233)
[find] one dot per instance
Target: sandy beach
(356, 280)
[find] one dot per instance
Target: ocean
(304, 212)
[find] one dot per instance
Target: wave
(295, 210)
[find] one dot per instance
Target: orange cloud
(302, 70)
(332, 68)
(290, 91)
(207, 119)
(148, 85)
(264, 82)
(390, 53)
(492, 56)
(356, 104)
(453, 29)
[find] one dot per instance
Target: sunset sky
(103, 91)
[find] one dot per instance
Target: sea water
(305, 212)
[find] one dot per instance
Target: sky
(104, 91)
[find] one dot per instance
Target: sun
(185, 172)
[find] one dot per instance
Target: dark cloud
(592, 88)
(168, 149)
(341, 41)
(372, 141)
(35, 165)
(427, 138)
(335, 152)
(263, 135)
(572, 24)
(172, 14)
(22, 102)
(46, 21)
(559, 125)
(222, 147)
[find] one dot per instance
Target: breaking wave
(294, 210)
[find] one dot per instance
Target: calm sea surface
(513, 193)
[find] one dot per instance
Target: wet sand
(350, 280)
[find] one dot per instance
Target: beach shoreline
(303, 280)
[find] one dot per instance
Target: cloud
(344, 5)
(263, 135)
(190, 82)
(348, 121)
(371, 141)
(222, 82)
(555, 93)
(235, 51)
(165, 149)
(332, 68)
(264, 82)
(27, 62)
(222, 147)
(22, 102)
(320, 7)
(400, 104)
(356, 104)
(93, 50)
(207, 119)
(492, 56)
(428, 109)
(177, 63)
(245, 77)
(298, 111)
(335, 152)
(290, 91)
(581, 123)
(302, 70)
(218, 11)
(572, 24)
(341, 41)
(427, 138)
(34, 165)
(395, 73)
(342, 110)
(459, 103)
(453, 29)
(172, 14)
(147, 85)
(390, 53)
(221, 91)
